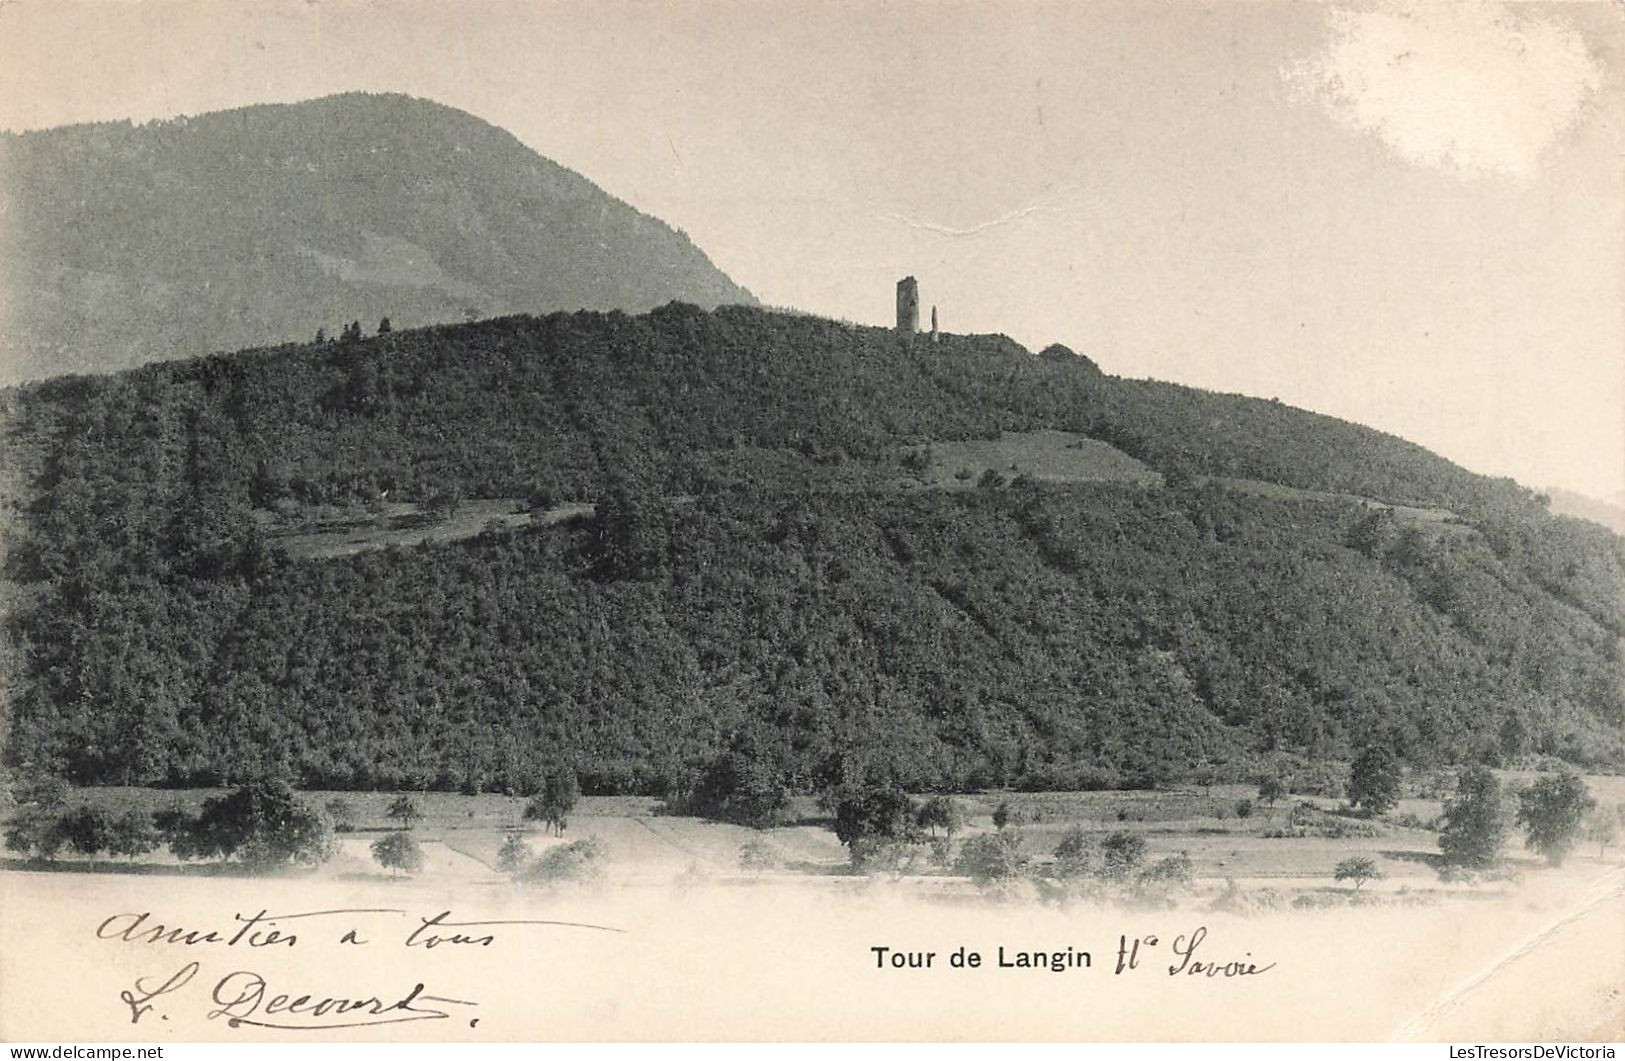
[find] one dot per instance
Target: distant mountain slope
(125, 244)
(774, 566)
(1603, 513)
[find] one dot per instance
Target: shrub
(577, 862)
(398, 852)
(1075, 853)
(515, 854)
(1165, 876)
(992, 858)
(1121, 853)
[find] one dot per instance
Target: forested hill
(126, 244)
(746, 536)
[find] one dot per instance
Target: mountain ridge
(262, 224)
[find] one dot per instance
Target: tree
(404, 810)
(1550, 810)
(1003, 814)
(260, 823)
(630, 536)
(342, 813)
(398, 853)
(515, 854)
(133, 833)
(558, 797)
(1271, 788)
(35, 833)
(88, 830)
(868, 819)
(1474, 821)
(1602, 825)
(743, 785)
(1374, 779)
(41, 791)
(384, 327)
(1358, 869)
(939, 812)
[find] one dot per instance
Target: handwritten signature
(244, 997)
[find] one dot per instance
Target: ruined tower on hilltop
(908, 306)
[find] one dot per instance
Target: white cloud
(1465, 85)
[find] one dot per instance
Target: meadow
(1284, 852)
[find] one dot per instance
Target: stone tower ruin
(908, 306)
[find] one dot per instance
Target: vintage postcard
(914, 521)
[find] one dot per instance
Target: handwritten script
(247, 998)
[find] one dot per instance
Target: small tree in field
(939, 812)
(1551, 810)
(1474, 822)
(1374, 779)
(1358, 869)
(404, 810)
(398, 853)
(342, 812)
(558, 797)
(1271, 788)
(1602, 826)
(515, 854)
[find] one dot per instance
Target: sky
(1411, 216)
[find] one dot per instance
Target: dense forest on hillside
(759, 578)
(178, 238)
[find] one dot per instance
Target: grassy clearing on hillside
(407, 525)
(1050, 456)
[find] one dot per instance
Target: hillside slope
(773, 567)
(127, 244)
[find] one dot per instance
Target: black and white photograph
(532, 521)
